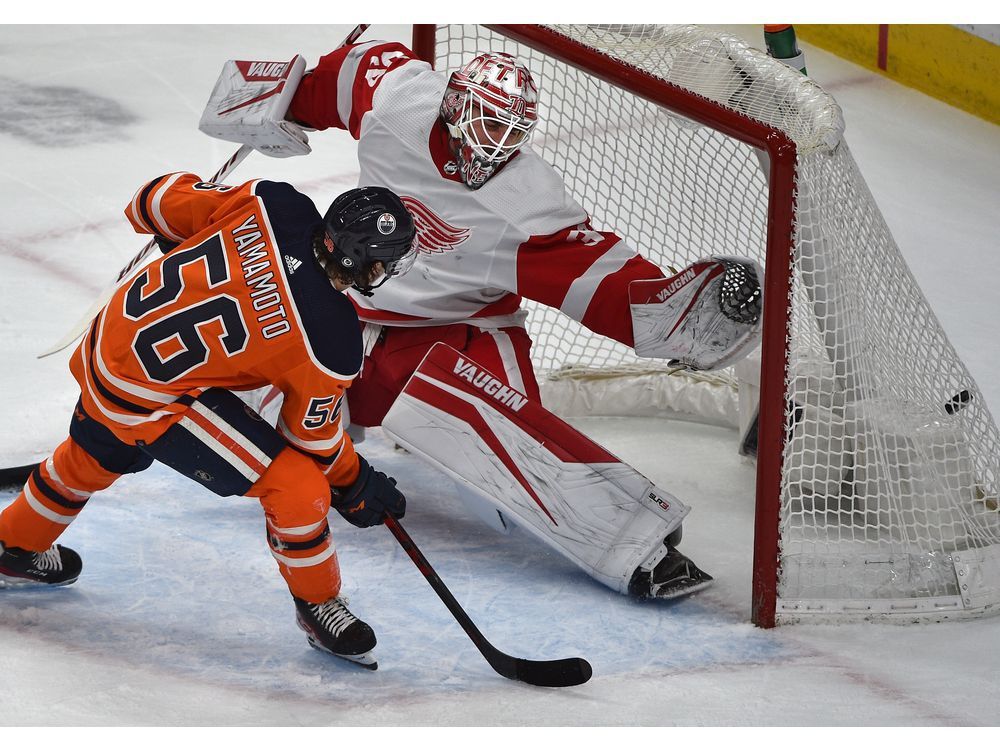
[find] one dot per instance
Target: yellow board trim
(942, 61)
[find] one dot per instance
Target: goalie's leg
(550, 479)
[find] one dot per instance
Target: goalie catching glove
(366, 501)
(706, 317)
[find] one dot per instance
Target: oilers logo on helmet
(386, 223)
(367, 229)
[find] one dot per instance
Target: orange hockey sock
(296, 498)
(53, 496)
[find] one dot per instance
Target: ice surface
(180, 617)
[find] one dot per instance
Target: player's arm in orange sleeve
(176, 206)
(311, 420)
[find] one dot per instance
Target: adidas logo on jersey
(292, 264)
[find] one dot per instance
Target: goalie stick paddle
(554, 673)
(109, 291)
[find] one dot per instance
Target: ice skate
(673, 576)
(331, 627)
(57, 566)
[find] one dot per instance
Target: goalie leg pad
(706, 317)
(551, 480)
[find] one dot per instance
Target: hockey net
(879, 461)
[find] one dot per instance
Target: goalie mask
(362, 227)
(490, 108)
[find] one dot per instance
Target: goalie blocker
(563, 488)
(249, 103)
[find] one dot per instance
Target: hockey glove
(372, 495)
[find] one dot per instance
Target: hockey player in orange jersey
(248, 293)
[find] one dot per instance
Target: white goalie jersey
(520, 235)
(481, 251)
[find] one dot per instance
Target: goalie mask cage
(877, 465)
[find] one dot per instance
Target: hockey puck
(958, 402)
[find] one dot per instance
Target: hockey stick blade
(553, 673)
(15, 476)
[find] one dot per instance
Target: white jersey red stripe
(345, 82)
(481, 251)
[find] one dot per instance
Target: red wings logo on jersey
(434, 234)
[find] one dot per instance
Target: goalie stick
(126, 273)
(554, 673)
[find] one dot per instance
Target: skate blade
(366, 660)
(16, 582)
(665, 592)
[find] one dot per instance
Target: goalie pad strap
(562, 487)
(249, 103)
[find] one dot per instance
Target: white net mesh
(892, 460)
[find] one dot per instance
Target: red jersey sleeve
(338, 92)
(311, 421)
(180, 205)
(585, 274)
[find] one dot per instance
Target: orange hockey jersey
(239, 302)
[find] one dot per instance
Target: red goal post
(857, 471)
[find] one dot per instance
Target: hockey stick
(16, 476)
(554, 673)
(125, 274)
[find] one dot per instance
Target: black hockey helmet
(364, 226)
